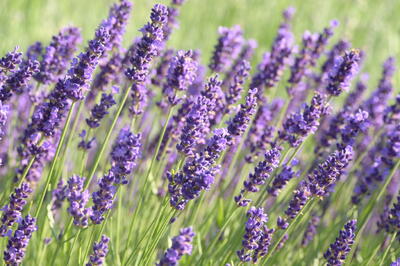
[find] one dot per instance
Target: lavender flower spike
(103, 198)
(227, 48)
(238, 125)
(78, 198)
(100, 250)
(147, 48)
(17, 244)
(257, 237)
(344, 70)
(181, 74)
(8, 64)
(12, 211)
(124, 154)
(100, 110)
(337, 252)
(261, 173)
(18, 81)
(181, 245)
(236, 86)
(118, 18)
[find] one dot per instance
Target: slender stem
(388, 248)
(144, 190)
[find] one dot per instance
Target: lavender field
(199, 133)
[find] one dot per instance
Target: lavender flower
(196, 121)
(18, 81)
(197, 174)
(100, 250)
(257, 237)
(181, 245)
(124, 154)
(311, 230)
(328, 172)
(57, 55)
(78, 198)
(238, 125)
(100, 110)
(212, 91)
(160, 73)
(227, 49)
(375, 105)
(59, 195)
(12, 211)
(300, 197)
(103, 198)
(261, 132)
(35, 51)
(8, 63)
(3, 119)
(299, 125)
(17, 244)
(118, 18)
(109, 73)
(343, 72)
(236, 86)
(261, 173)
(244, 56)
(283, 178)
(395, 263)
(337, 252)
(336, 51)
(173, 13)
(356, 123)
(322, 41)
(146, 49)
(181, 74)
(270, 70)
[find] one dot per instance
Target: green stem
(387, 249)
(144, 190)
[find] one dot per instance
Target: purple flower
(103, 198)
(237, 69)
(3, 119)
(109, 73)
(327, 173)
(57, 55)
(18, 81)
(100, 110)
(322, 41)
(345, 68)
(283, 178)
(146, 49)
(212, 90)
(257, 237)
(337, 251)
(17, 244)
(181, 245)
(311, 230)
(236, 86)
(375, 105)
(238, 125)
(181, 74)
(124, 153)
(59, 195)
(83, 66)
(356, 123)
(100, 250)
(196, 121)
(118, 18)
(35, 51)
(12, 211)
(198, 173)
(396, 263)
(9, 62)
(299, 125)
(261, 173)
(300, 197)
(173, 13)
(78, 198)
(336, 51)
(227, 49)
(261, 132)
(161, 71)
(270, 70)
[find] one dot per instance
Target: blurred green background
(372, 25)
